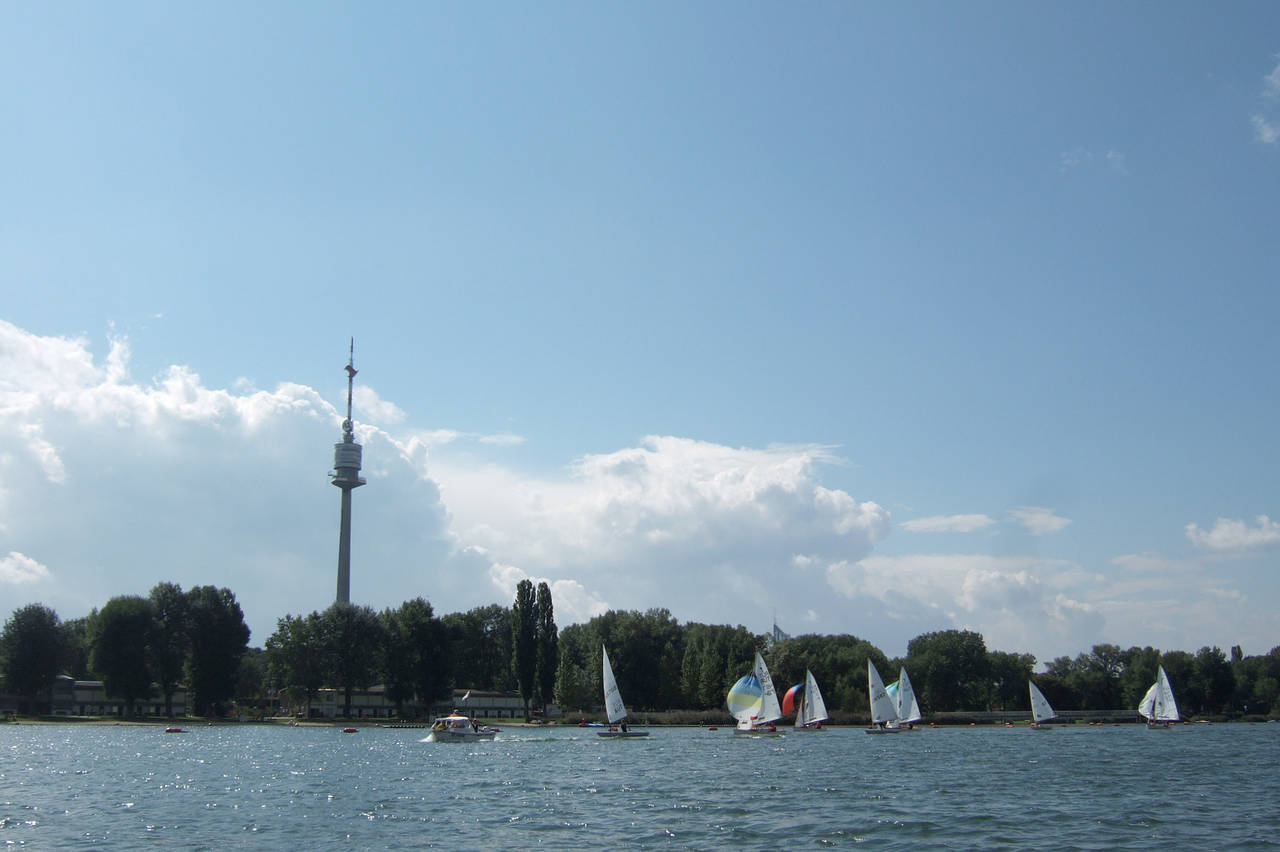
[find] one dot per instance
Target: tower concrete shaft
(346, 475)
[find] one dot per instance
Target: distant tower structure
(346, 475)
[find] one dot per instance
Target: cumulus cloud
(1236, 535)
(1037, 520)
(18, 568)
(700, 528)
(128, 483)
(366, 401)
(1016, 602)
(948, 523)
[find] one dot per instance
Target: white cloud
(1266, 132)
(1017, 602)
(1037, 520)
(18, 568)
(570, 600)
(366, 401)
(948, 523)
(1117, 161)
(503, 440)
(126, 484)
(1236, 535)
(1271, 83)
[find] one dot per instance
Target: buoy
(713, 728)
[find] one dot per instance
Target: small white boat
(616, 710)
(754, 703)
(1041, 712)
(884, 712)
(904, 702)
(456, 728)
(1158, 706)
(806, 700)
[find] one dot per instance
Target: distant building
(372, 703)
(89, 698)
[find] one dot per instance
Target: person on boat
(624, 726)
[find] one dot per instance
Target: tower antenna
(346, 475)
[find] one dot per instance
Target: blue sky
(886, 318)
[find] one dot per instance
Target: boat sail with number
(904, 701)
(754, 703)
(1041, 712)
(613, 706)
(805, 700)
(1158, 706)
(884, 713)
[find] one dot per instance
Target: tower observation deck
(346, 475)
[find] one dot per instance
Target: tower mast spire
(346, 475)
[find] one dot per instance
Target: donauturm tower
(346, 475)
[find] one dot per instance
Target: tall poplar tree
(548, 646)
(524, 627)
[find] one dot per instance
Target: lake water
(124, 787)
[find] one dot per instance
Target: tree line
(661, 664)
(143, 646)
(137, 646)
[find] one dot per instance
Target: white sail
(770, 710)
(905, 701)
(882, 709)
(812, 708)
(613, 705)
(1166, 708)
(1040, 709)
(1147, 706)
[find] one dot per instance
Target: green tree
(121, 649)
(417, 659)
(251, 679)
(548, 645)
(31, 647)
(569, 693)
(296, 662)
(953, 669)
(482, 648)
(354, 639)
(1009, 676)
(169, 641)
(218, 637)
(524, 627)
(1214, 680)
(75, 648)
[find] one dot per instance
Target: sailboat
(1158, 706)
(805, 700)
(613, 706)
(753, 701)
(884, 713)
(904, 700)
(1041, 712)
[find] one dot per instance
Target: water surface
(1122, 787)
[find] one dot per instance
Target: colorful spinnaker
(745, 699)
(789, 700)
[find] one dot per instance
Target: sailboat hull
(620, 735)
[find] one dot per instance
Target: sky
(869, 318)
